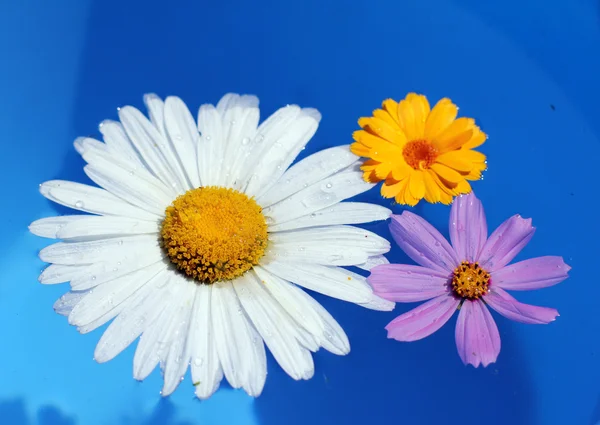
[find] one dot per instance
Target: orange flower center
(213, 233)
(419, 154)
(470, 281)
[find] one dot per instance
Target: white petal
(58, 273)
(156, 108)
(94, 251)
(267, 134)
(331, 281)
(139, 315)
(320, 195)
(240, 115)
(129, 187)
(184, 136)
(206, 368)
(82, 144)
(179, 351)
(92, 199)
(155, 150)
(282, 152)
(104, 298)
(306, 312)
(276, 328)
(91, 227)
(155, 339)
(240, 348)
(98, 273)
(210, 147)
(371, 262)
(118, 141)
(310, 170)
(311, 252)
(103, 160)
(342, 213)
(50, 226)
(65, 304)
(335, 238)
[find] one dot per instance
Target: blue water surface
(527, 70)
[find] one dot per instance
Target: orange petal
(463, 188)
(447, 173)
(477, 139)
(390, 189)
(455, 135)
(416, 184)
(385, 116)
(384, 130)
(441, 116)
(472, 156)
(401, 170)
(456, 160)
(432, 189)
(391, 107)
(406, 118)
(359, 149)
(421, 111)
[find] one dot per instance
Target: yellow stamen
(419, 154)
(470, 281)
(213, 233)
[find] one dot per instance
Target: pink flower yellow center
(419, 154)
(213, 233)
(470, 281)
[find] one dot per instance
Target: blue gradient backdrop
(527, 70)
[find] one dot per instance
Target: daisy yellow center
(213, 233)
(470, 281)
(419, 154)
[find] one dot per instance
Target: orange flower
(420, 152)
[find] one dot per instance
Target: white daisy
(201, 237)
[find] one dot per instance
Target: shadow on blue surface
(163, 414)
(14, 412)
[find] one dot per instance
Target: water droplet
(301, 248)
(328, 185)
(131, 173)
(119, 263)
(118, 108)
(178, 137)
(115, 269)
(260, 138)
(93, 277)
(121, 242)
(232, 122)
(313, 215)
(207, 138)
(198, 362)
(245, 141)
(79, 204)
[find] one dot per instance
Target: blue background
(527, 70)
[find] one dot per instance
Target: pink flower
(467, 276)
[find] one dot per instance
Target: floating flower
(198, 233)
(469, 276)
(420, 153)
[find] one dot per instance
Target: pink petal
(404, 283)
(535, 273)
(468, 228)
(477, 337)
(505, 243)
(422, 242)
(512, 309)
(424, 320)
